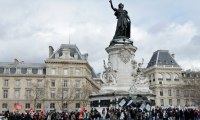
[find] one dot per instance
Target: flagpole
(62, 95)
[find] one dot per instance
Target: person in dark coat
(192, 114)
(181, 115)
(186, 114)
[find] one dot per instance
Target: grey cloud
(159, 27)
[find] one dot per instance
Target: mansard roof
(73, 50)
(162, 57)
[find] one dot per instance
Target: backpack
(195, 114)
(166, 116)
(133, 111)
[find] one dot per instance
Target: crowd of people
(112, 114)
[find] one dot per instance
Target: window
(29, 71)
(76, 56)
(66, 55)
(27, 106)
(7, 70)
(177, 82)
(4, 105)
(176, 78)
(56, 55)
(162, 102)
(177, 92)
(77, 94)
(178, 102)
(65, 83)
(17, 83)
(160, 82)
(192, 102)
(161, 92)
(5, 94)
(65, 71)
(168, 77)
(39, 83)
(53, 71)
(160, 77)
(52, 94)
(185, 83)
(53, 83)
(64, 94)
(39, 106)
(170, 102)
(77, 83)
(184, 75)
(77, 72)
(77, 105)
(153, 77)
(5, 82)
(166, 62)
(149, 78)
(18, 70)
(28, 83)
(52, 105)
(28, 94)
(197, 75)
(169, 93)
(190, 75)
(38, 94)
(186, 93)
(40, 71)
(16, 93)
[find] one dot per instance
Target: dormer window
(76, 56)
(18, 71)
(172, 62)
(66, 55)
(190, 75)
(7, 70)
(39, 71)
(57, 55)
(166, 62)
(197, 75)
(159, 61)
(184, 75)
(29, 71)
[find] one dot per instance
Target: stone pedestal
(122, 76)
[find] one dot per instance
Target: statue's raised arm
(112, 6)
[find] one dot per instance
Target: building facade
(63, 82)
(167, 80)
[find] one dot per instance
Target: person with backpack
(196, 115)
(161, 115)
(176, 114)
(165, 115)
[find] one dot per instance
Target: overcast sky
(28, 27)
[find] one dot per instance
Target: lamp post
(62, 95)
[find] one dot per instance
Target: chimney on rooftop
(16, 61)
(51, 50)
(173, 55)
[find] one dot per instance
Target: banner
(142, 107)
(44, 110)
(148, 107)
(47, 108)
(24, 112)
(167, 106)
(122, 102)
(129, 102)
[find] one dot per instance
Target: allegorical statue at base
(123, 28)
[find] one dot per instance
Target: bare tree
(67, 99)
(38, 92)
(85, 93)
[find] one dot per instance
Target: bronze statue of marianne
(123, 29)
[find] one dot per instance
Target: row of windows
(17, 83)
(18, 71)
(168, 77)
(66, 56)
(186, 93)
(190, 75)
(192, 103)
(39, 94)
(53, 71)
